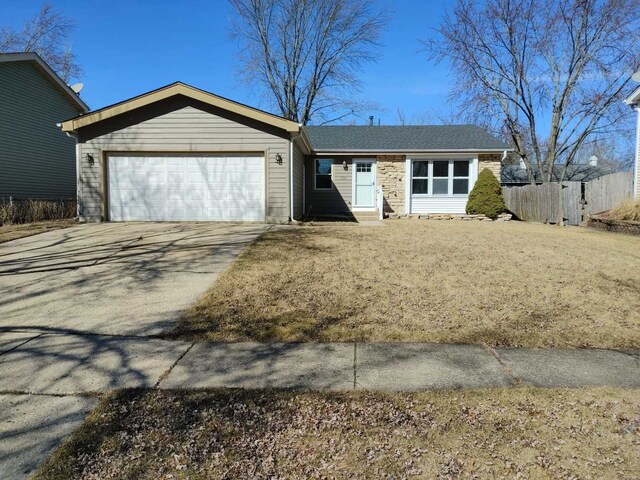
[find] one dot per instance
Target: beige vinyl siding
(186, 129)
(298, 181)
(37, 160)
(334, 201)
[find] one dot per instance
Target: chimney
(371, 120)
(593, 161)
(523, 166)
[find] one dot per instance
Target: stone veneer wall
(391, 170)
(490, 161)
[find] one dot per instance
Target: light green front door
(364, 184)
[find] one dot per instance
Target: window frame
(450, 177)
(316, 175)
(427, 178)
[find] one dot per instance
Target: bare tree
(525, 64)
(48, 34)
(614, 153)
(307, 54)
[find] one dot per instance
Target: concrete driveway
(113, 278)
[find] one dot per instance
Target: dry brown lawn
(482, 434)
(507, 284)
(15, 231)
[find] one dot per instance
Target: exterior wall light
(90, 159)
(279, 159)
(344, 165)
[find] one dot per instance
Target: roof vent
(593, 161)
(371, 120)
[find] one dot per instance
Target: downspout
(75, 137)
(291, 179)
(504, 157)
(293, 138)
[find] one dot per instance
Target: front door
(364, 183)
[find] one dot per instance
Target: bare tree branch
(307, 54)
(48, 34)
(526, 63)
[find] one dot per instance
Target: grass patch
(30, 211)
(497, 284)
(627, 210)
(15, 231)
(508, 433)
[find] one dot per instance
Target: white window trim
(473, 167)
(315, 175)
(354, 163)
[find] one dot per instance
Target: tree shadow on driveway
(132, 279)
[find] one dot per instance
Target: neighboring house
(179, 153)
(35, 160)
(634, 102)
(513, 175)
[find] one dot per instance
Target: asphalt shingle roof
(402, 138)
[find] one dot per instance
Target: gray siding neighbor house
(179, 153)
(634, 102)
(36, 160)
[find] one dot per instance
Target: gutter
(405, 152)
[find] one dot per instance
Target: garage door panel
(253, 178)
(174, 178)
(173, 188)
(235, 177)
(195, 178)
(176, 161)
(135, 162)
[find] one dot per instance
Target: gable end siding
(186, 130)
(37, 160)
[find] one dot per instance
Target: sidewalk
(70, 364)
(48, 382)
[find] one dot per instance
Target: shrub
(27, 211)
(486, 196)
(627, 210)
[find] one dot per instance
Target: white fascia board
(410, 152)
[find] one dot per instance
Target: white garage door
(186, 188)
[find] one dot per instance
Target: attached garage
(182, 154)
(186, 187)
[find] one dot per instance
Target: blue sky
(129, 47)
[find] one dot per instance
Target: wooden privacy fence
(539, 203)
(606, 192)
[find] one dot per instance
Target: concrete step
(366, 216)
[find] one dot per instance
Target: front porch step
(366, 216)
